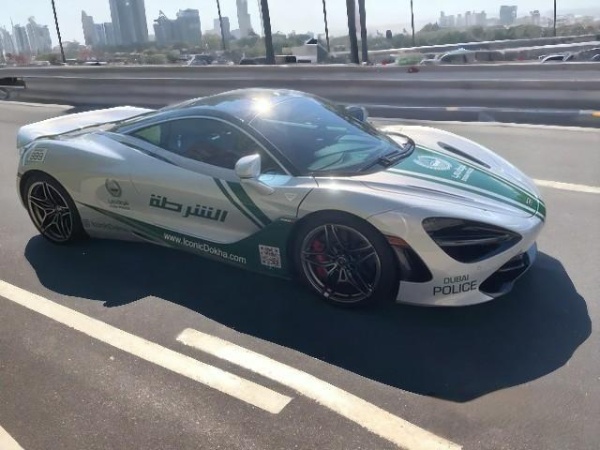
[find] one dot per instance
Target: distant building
(6, 42)
(39, 37)
(129, 21)
(100, 35)
(480, 19)
(244, 20)
(443, 20)
(89, 30)
(97, 34)
(188, 26)
(508, 14)
(164, 30)
(536, 18)
(21, 40)
(111, 37)
(469, 19)
(185, 28)
(460, 21)
(226, 27)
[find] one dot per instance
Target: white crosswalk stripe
(365, 414)
(218, 379)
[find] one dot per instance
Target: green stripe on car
(435, 166)
(241, 194)
(234, 203)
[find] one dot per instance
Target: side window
(206, 140)
(150, 134)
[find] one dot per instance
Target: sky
(286, 15)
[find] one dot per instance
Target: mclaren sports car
(291, 185)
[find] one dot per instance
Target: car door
(190, 186)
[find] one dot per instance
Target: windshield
(319, 138)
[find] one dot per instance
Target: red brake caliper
(318, 247)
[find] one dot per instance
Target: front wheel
(345, 260)
(52, 210)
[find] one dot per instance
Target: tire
(52, 210)
(345, 260)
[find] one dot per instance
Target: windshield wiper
(393, 157)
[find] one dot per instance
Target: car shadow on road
(456, 354)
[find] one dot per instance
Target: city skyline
(379, 16)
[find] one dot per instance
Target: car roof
(240, 103)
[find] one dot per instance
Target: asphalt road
(521, 372)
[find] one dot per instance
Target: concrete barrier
(569, 69)
(395, 92)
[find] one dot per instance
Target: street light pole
(412, 22)
(270, 52)
(554, 18)
(221, 26)
(62, 50)
(363, 31)
(326, 26)
(351, 12)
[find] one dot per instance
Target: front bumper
(468, 288)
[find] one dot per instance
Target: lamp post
(326, 26)
(363, 30)
(554, 18)
(350, 10)
(62, 50)
(270, 52)
(412, 22)
(221, 26)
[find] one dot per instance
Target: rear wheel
(345, 260)
(52, 210)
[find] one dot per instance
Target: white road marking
(568, 186)
(367, 415)
(7, 442)
(218, 379)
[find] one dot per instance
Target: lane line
(218, 379)
(376, 420)
(568, 186)
(7, 442)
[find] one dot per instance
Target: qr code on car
(270, 256)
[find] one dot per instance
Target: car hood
(442, 175)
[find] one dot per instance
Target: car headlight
(468, 241)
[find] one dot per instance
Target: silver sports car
(288, 184)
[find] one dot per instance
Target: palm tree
(62, 50)
(326, 27)
(221, 26)
(270, 52)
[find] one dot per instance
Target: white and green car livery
(290, 185)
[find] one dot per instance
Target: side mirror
(248, 167)
(248, 170)
(358, 112)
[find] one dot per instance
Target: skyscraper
(164, 30)
(508, 14)
(39, 37)
(244, 21)
(89, 30)
(109, 32)
(8, 45)
(129, 21)
(188, 26)
(100, 35)
(226, 27)
(21, 40)
(185, 28)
